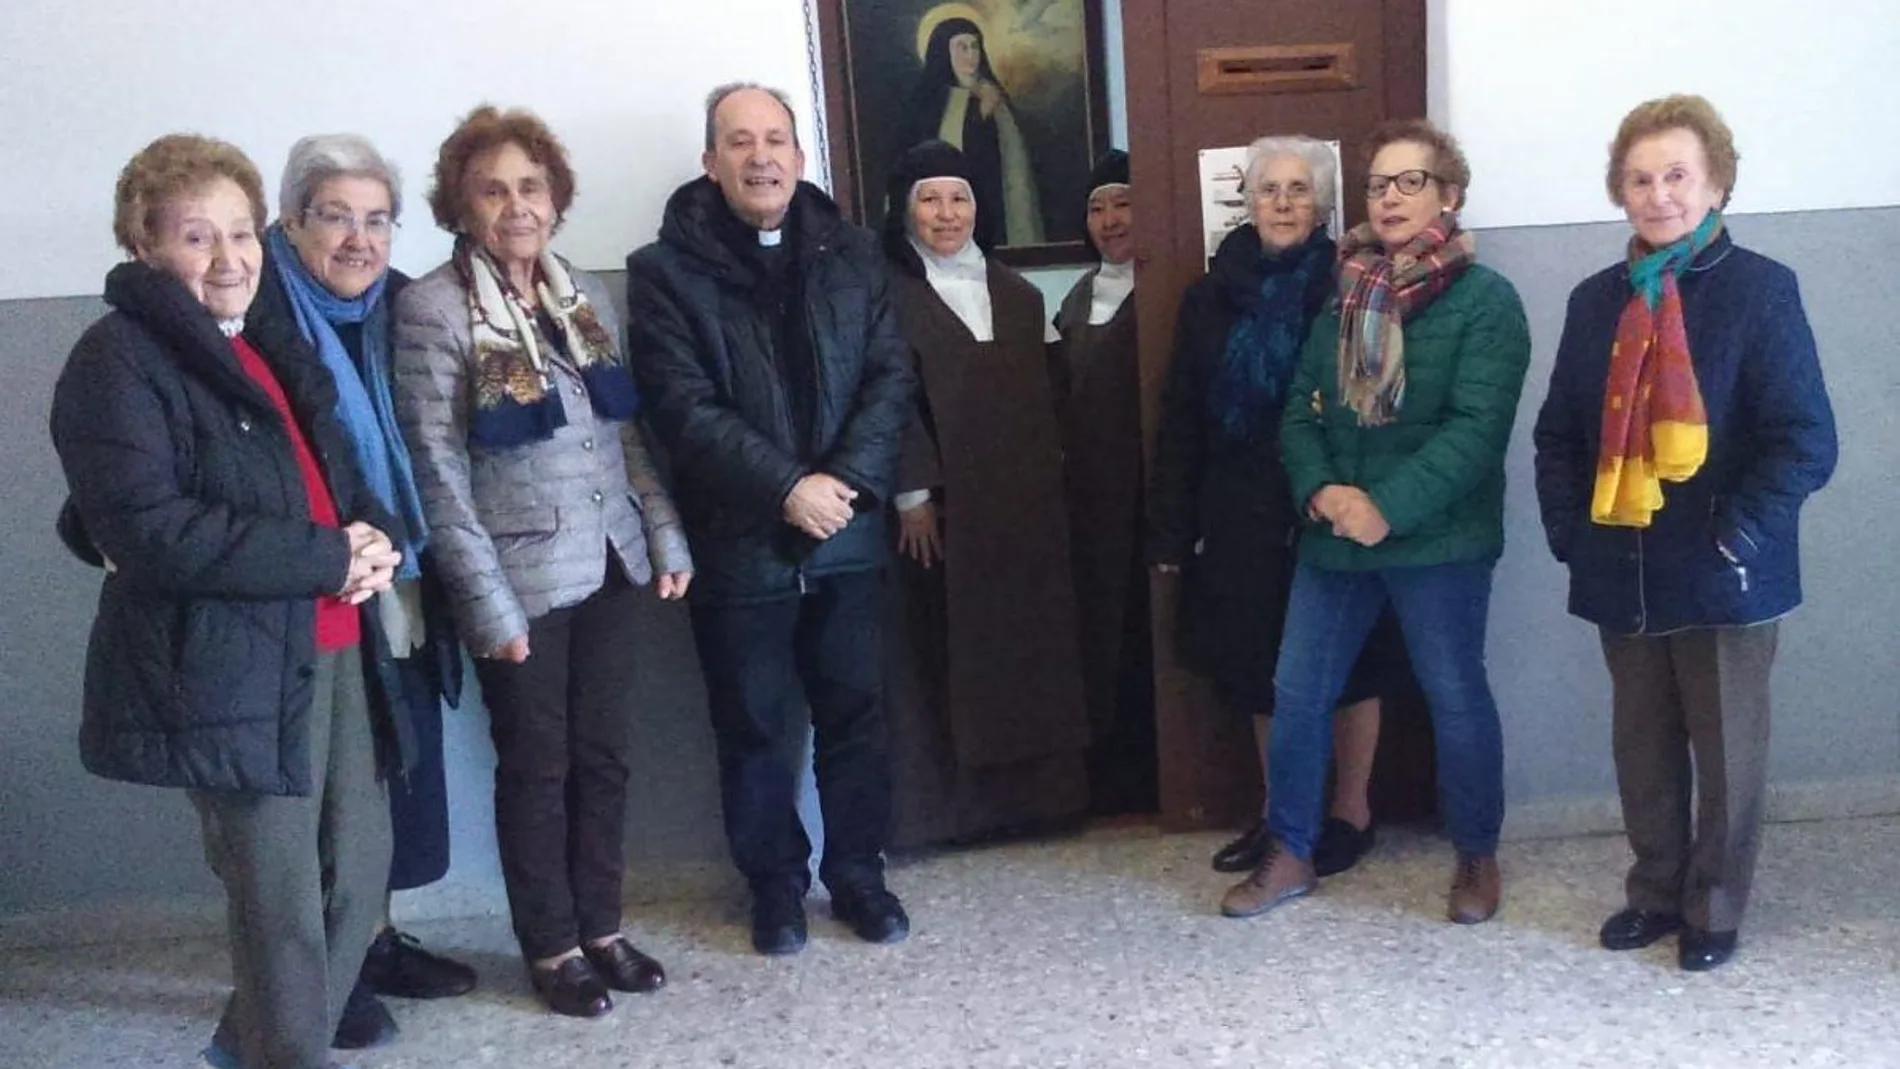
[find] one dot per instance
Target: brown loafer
(624, 968)
(1280, 877)
(1476, 888)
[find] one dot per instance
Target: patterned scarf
(1380, 293)
(365, 405)
(516, 401)
(1654, 425)
(1277, 298)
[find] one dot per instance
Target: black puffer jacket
(199, 667)
(700, 341)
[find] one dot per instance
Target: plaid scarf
(1380, 293)
(516, 401)
(1654, 425)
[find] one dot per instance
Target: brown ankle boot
(1280, 877)
(1476, 888)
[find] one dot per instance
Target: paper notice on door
(1224, 203)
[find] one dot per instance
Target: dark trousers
(1690, 722)
(765, 664)
(303, 883)
(419, 799)
(560, 724)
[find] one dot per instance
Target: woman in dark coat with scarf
(1686, 423)
(1222, 512)
(326, 277)
(997, 740)
(212, 481)
(1096, 375)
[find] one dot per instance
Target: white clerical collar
(1113, 284)
(771, 238)
(961, 281)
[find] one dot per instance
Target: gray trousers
(303, 882)
(1690, 728)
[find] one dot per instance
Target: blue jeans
(1442, 610)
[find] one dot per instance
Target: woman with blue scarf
(1222, 513)
(326, 275)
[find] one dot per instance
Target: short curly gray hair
(1315, 153)
(315, 160)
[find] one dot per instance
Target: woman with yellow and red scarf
(1686, 422)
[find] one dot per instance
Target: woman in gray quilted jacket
(546, 512)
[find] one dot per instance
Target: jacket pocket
(521, 523)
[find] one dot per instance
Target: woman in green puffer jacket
(1394, 439)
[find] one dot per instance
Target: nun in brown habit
(1094, 372)
(989, 733)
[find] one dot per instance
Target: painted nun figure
(959, 99)
(1094, 373)
(989, 733)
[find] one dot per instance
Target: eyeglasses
(1411, 183)
(1296, 193)
(380, 226)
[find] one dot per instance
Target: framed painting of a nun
(1015, 84)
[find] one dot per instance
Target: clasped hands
(820, 505)
(373, 564)
(1351, 512)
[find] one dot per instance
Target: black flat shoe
(1340, 846)
(1633, 929)
(397, 967)
(572, 988)
(1700, 951)
(778, 923)
(365, 1022)
(625, 968)
(1245, 853)
(874, 915)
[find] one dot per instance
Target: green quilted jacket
(1437, 470)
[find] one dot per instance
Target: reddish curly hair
(483, 130)
(177, 165)
(1448, 160)
(1683, 111)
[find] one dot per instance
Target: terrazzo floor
(1106, 950)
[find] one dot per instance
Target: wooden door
(1212, 73)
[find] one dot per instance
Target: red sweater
(337, 624)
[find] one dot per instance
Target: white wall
(89, 82)
(1535, 90)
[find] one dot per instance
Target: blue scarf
(1277, 294)
(364, 405)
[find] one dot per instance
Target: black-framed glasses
(1411, 183)
(378, 225)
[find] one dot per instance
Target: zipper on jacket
(803, 587)
(1642, 586)
(819, 417)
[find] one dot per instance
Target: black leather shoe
(365, 1022)
(1245, 853)
(873, 915)
(1700, 951)
(778, 922)
(572, 988)
(1340, 846)
(397, 967)
(624, 968)
(1636, 928)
